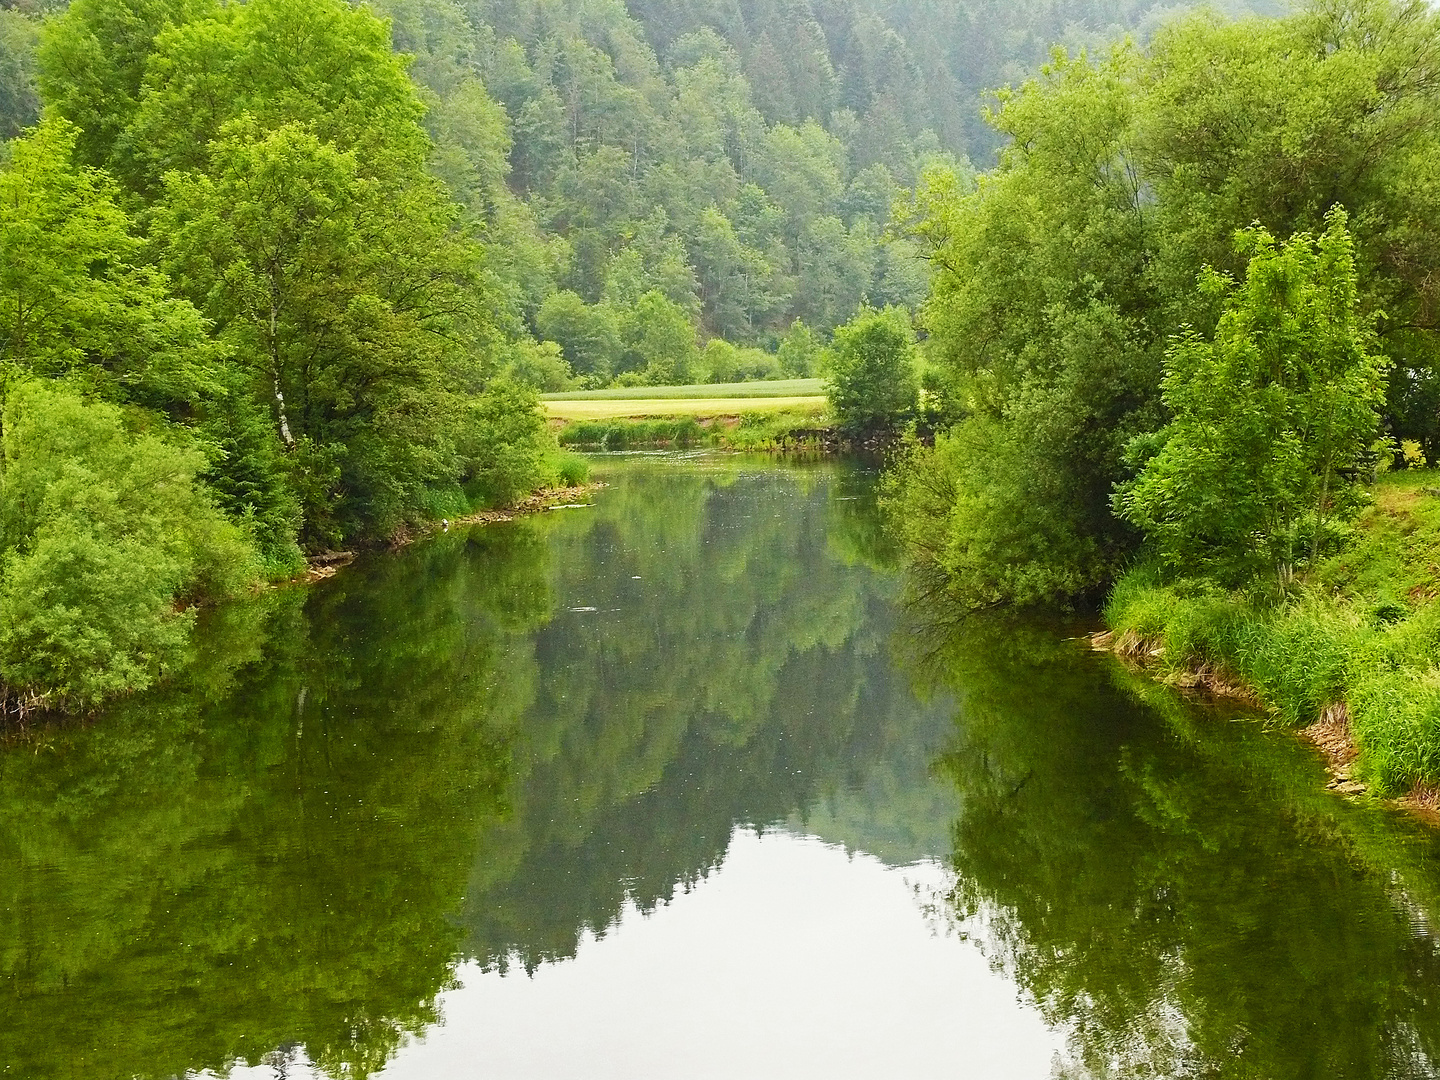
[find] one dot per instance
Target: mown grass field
(611, 408)
(778, 388)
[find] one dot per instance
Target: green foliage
(1271, 420)
(566, 469)
(870, 373)
(758, 388)
(75, 297)
(799, 352)
(1041, 339)
(106, 536)
(587, 334)
(332, 359)
(325, 67)
(625, 434)
(353, 226)
(1064, 277)
(983, 529)
(659, 339)
(659, 168)
(1361, 629)
(503, 444)
(540, 366)
(726, 364)
(19, 95)
(251, 477)
(361, 347)
(93, 65)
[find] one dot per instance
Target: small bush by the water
(108, 539)
(566, 469)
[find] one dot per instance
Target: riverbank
(22, 708)
(1348, 655)
(776, 415)
(327, 564)
(779, 430)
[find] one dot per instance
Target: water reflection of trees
(736, 669)
(431, 756)
(434, 756)
(270, 853)
(1176, 892)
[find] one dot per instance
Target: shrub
(871, 372)
(540, 366)
(504, 443)
(986, 529)
(568, 469)
(800, 351)
(106, 536)
(1271, 419)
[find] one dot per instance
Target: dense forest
(1140, 196)
(732, 165)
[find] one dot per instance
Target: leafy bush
(726, 363)
(539, 366)
(106, 536)
(984, 528)
(504, 443)
(800, 351)
(566, 469)
(1271, 419)
(871, 372)
(659, 340)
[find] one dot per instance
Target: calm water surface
(670, 786)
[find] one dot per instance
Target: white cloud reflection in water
(792, 960)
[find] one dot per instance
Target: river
(673, 785)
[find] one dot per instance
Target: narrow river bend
(671, 786)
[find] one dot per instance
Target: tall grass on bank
(622, 434)
(1301, 654)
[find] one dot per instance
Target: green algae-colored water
(671, 786)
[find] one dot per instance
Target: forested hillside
(240, 316)
(648, 171)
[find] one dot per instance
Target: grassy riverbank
(788, 414)
(767, 388)
(1351, 647)
(752, 430)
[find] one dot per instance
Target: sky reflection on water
(794, 959)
